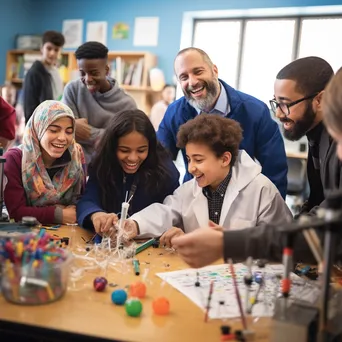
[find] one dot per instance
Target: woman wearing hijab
(46, 174)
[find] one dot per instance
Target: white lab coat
(251, 199)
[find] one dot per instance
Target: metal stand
(304, 322)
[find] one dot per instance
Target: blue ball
(119, 297)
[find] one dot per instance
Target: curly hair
(332, 103)
(91, 50)
(311, 74)
(53, 37)
(218, 133)
(153, 173)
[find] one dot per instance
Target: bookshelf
(130, 69)
(19, 61)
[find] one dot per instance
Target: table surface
(298, 155)
(85, 311)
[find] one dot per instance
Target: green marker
(136, 266)
(144, 246)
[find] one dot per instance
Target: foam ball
(161, 306)
(137, 289)
(100, 284)
(119, 297)
(133, 307)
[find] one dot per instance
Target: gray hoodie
(97, 108)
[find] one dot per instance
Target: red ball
(161, 306)
(100, 284)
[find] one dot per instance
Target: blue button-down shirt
(222, 106)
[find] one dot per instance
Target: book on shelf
(127, 73)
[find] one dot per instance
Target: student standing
(46, 174)
(43, 81)
(228, 187)
(95, 98)
(129, 163)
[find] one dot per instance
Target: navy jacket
(90, 202)
(261, 135)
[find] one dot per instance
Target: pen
(145, 245)
(136, 266)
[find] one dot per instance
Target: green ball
(133, 307)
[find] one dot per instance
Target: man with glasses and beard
(204, 92)
(297, 103)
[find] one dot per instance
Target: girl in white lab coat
(228, 187)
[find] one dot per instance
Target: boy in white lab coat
(228, 187)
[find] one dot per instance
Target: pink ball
(100, 284)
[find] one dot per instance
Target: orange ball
(161, 306)
(137, 290)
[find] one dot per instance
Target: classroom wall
(49, 14)
(15, 18)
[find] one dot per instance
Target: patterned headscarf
(67, 184)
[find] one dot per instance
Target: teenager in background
(95, 98)
(43, 81)
(158, 110)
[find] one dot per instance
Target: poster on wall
(97, 32)
(146, 31)
(72, 31)
(120, 31)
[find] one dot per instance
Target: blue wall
(49, 14)
(15, 18)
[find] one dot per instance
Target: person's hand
(69, 215)
(200, 247)
(83, 130)
(166, 238)
(103, 222)
(131, 230)
(215, 226)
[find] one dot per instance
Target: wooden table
(82, 311)
(298, 155)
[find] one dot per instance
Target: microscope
(299, 321)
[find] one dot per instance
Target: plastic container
(36, 282)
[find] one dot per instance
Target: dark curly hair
(219, 133)
(91, 50)
(332, 103)
(53, 37)
(153, 172)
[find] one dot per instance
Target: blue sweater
(261, 136)
(90, 202)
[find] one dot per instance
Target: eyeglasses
(285, 107)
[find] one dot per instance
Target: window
(250, 52)
(226, 57)
(321, 37)
(267, 48)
